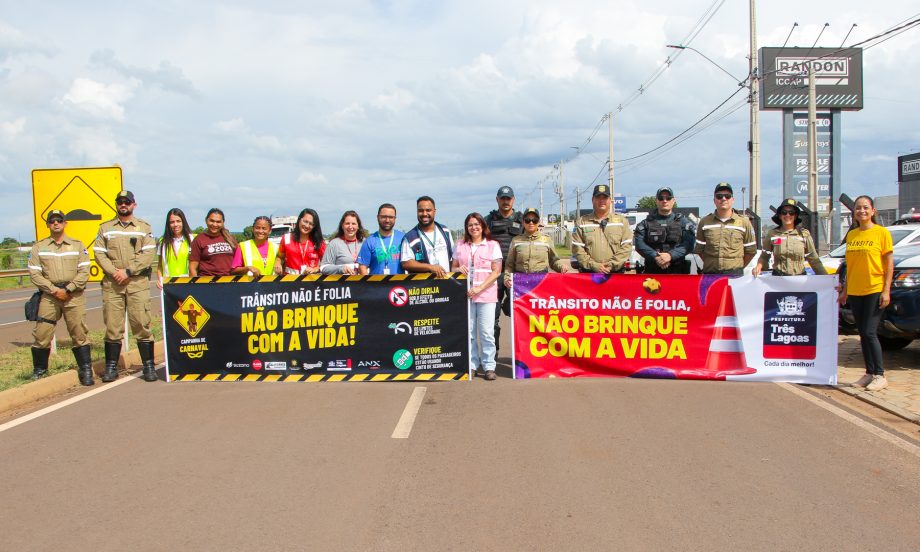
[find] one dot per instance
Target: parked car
(901, 322)
(901, 234)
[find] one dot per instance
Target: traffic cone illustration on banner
(726, 350)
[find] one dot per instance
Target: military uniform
(790, 249)
(598, 241)
(130, 246)
(533, 253)
(723, 244)
(54, 266)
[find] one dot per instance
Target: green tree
(6, 262)
(9, 242)
(247, 233)
(645, 203)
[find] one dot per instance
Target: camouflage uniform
(790, 249)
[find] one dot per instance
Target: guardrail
(21, 273)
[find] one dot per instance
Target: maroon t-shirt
(213, 253)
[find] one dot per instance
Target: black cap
(601, 189)
(724, 187)
(55, 213)
(788, 202)
(505, 191)
(125, 194)
(531, 211)
(665, 189)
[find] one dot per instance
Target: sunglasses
(786, 213)
(56, 221)
(664, 198)
(530, 221)
(723, 196)
(123, 202)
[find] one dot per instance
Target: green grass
(16, 366)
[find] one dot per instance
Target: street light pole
(754, 85)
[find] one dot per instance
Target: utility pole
(812, 149)
(542, 212)
(754, 144)
(577, 204)
(610, 146)
(561, 192)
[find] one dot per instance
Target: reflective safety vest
(251, 257)
(174, 264)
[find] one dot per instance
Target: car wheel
(894, 343)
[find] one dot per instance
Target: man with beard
(380, 251)
(428, 247)
(125, 251)
(505, 223)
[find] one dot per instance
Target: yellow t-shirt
(865, 273)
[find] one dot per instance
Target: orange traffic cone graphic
(726, 351)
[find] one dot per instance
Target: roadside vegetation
(16, 366)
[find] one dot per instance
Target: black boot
(112, 352)
(84, 364)
(40, 362)
(150, 369)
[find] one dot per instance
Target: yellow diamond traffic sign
(85, 195)
(191, 316)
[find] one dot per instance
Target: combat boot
(40, 362)
(84, 364)
(112, 352)
(150, 369)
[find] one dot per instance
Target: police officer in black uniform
(665, 237)
(505, 223)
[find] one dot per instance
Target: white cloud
(308, 177)
(10, 130)
(97, 99)
(14, 42)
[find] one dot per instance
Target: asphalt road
(587, 464)
(15, 331)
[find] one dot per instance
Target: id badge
(386, 269)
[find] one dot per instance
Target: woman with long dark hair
(480, 258)
(302, 248)
(867, 288)
(212, 250)
(173, 247)
(341, 256)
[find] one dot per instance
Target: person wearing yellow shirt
(870, 267)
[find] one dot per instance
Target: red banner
(663, 326)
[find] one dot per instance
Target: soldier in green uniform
(602, 241)
(126, 250)
(789, 244)
(59, 267)
(531, 251)
(725, 239)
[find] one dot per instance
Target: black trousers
(868, 315)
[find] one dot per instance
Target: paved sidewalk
(902, 368)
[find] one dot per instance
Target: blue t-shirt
(379, 254)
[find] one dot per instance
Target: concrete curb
(865, 396)
(56, 384)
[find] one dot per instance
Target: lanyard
(387, 248)
(434, 243)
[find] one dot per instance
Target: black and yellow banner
(316, 328)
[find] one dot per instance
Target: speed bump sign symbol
(85, 195)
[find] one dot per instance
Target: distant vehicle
(902, 233)
(280, 227)
(901, 321)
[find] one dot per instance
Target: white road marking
(894, 440)
(407, 420)
(39, 413)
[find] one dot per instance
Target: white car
(901, 234)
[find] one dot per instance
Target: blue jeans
(482, 335)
